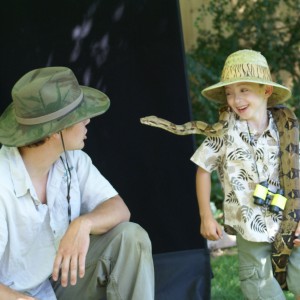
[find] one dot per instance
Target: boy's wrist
(206, 215)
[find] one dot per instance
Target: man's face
(75, 135)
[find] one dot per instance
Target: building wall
(189, 13)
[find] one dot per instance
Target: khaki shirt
(241, 161)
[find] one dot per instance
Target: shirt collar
(20, 177)
(271, 129)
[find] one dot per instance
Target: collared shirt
(242, 161)
(30, 231)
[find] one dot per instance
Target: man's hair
(38, 143)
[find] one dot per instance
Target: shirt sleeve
(209, 154)
(94, 187)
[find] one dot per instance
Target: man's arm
(106, 215)
(74, 245)
(210, 229)
(8, 294)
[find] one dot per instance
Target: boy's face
(248, 100)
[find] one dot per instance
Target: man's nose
(87, 121)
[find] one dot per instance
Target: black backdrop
(133, 51)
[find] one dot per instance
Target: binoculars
(263, 197)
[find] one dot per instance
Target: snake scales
(288, 128)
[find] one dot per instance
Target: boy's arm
(210, 228)
(9, 294)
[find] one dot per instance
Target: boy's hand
(211, 229)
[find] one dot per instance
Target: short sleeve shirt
(243, 160)
(31, 231)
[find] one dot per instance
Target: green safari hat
(246, 66)
(45, 101)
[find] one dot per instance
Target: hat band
(246, 71)
(50, 117)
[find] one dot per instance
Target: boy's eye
(244, 90)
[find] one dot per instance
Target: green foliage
(268, 26)
(225, 283)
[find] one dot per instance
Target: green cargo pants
(256, 275)
(119, 266)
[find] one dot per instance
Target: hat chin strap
(69, 177)
(52, 116)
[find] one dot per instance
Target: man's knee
(134, 234)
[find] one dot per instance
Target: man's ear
(268, 91)
(55, 135)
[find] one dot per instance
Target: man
(64, 229)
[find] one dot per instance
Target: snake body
(288, 128)
(193, 127)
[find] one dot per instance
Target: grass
(225, 284)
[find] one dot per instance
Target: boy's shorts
(256, 275)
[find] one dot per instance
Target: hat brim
(13, 134)
(216, 92)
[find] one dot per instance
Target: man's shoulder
(77, 154)
(78, 158)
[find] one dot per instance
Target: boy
(64, 230)
(247, 155)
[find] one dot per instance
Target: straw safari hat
(246, 66)
(45, 101)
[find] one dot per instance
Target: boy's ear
(268, 90)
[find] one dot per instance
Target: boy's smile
(242, 108)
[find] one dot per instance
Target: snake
(289, 173)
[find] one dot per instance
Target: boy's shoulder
(286, 121)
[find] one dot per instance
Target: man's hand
(71, 254)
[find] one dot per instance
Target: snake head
(152, 121)
(147, 120)
(159, 123)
